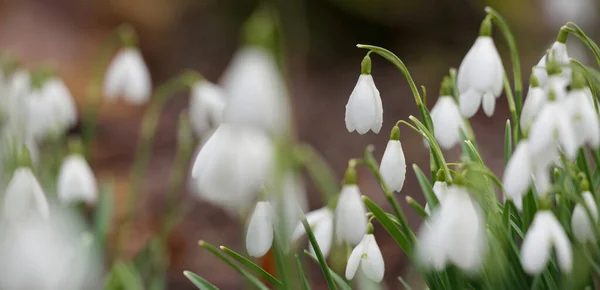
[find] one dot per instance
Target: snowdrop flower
(583, 115)
(51, 109)
(440, 189)
(447, 122)
(18, 87)
(232, 165)
(364, 110)
(545, 233)
(557, 53)
(393, 163)
(517, 174)
(259, 236)
(580, 222)
(289, 203)
(368, 256)
(534, 102)
(321, 223)
(454, 234)
(350, 212)
(128, 76)
(206, 106)
(24, 196)
(257, 91)
(76, 181)
(480, 74)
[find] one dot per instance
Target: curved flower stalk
(321, 222)
(455, 234)
(480, 74)
(545, 233)
(393, 162)
(128, 76)
(364, 110)
(368, 256)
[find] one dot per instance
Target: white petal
(363, 108)
(470, 102)
(115, 79)
(24, 195)
(481, 69)
(372, 264)
(313, 218)
(535, 250)
(489, 103)
(566, 139)
(76, 181)
(540, 72)
(535, 100)
(324, 234)
(393, 166)
(447, 122)
(541, 134)
(206, 106)
(562, 246)
(517, 175)
(354, 260)
(259, 236)
(350, 215)
(580, 223)
(139, 86)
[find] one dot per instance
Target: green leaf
(338, 280)
(253, 280)
(128, 276)
(389, 226)
(417, 207)
(430, 196)
(320, 257)
(305, 284)
(251, 266)
(200, 282)
(103, 213)
(507, 142)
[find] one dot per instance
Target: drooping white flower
(289, 203)
(447, 122)
(350, 215)
(76, 181)
(368, 256)
(24, 196)
(558, 53)
(517, 174)
(259, 236)
(257, 91)
(545, 232)
(393, 163)
(16, 89)
(440, 189)
(454, 234)
(534, 102)
(586, 126)
(206, 106)
(480, 75)
(321, 223)
(129, 77)
(364, 110)
(552, 128)
(580, 222)
(51, 109)
(232, 165)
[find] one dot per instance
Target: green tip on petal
(440, 176)
(578, 81)
(486, 27)
(350, 175)
(24, 158)
(370, 229)
(563, 34)
(552, 67)
(75, 146)
(446, 87)
(583, 181)
(365, 65)
(533, 81)
(395, 135)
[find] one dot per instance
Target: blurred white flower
(454, 234)
(544, 233)
(24, 196)
(289, 203)
(367, 255)
(259, 236)
(321, 223)
(393, 165)
(51, 109)
(480, 77)
(447, 122)
(76, 181)
(586, 127)
(440, 189)
(558, 53)
(232, 165)
(350, 215)
(206, 106)
(534, 102)
(53, 254)
(364, 110)
(257, 91)
(518, 173)
(15, 90)
(128, 76)
(551, 129)
(580, 222)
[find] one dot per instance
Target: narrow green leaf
(416, 206)
(389, 226)
(103, 214)
(251, 266)
(200, 282)
(320, 257)
(128, 276)
(253, 280)
(507, 142)
(341, 282)
(430, 196)
(305, 284)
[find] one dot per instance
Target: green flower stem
(395, 60)
(433, 145)
(513, 110)
(514, 55)
(94, 90)
(142, 155)
(389, 195)
(574, 29)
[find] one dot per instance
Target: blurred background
(322, 65)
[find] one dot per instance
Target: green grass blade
(320, 257)
(389, 225)
(199, 282)
(251, 266)
(305, 284)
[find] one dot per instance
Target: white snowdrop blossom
(580, 222)
(232, 165)
(551, 129)
(128, 76)
(321, 223)
(289, 203)
(368, 256)
(586, 127)
(24, 196)
(51, 109)
(259, 236)
(350, 215)
(256, 90)
(518, 173)
(447, 122)
(206, 106)
(364, 110)
(544, 233)
(76, 181)
(454, 234)
(558, 53)
(440, 189)
(534, 102)
(393, 163)
(16, 90)
(480, 73)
